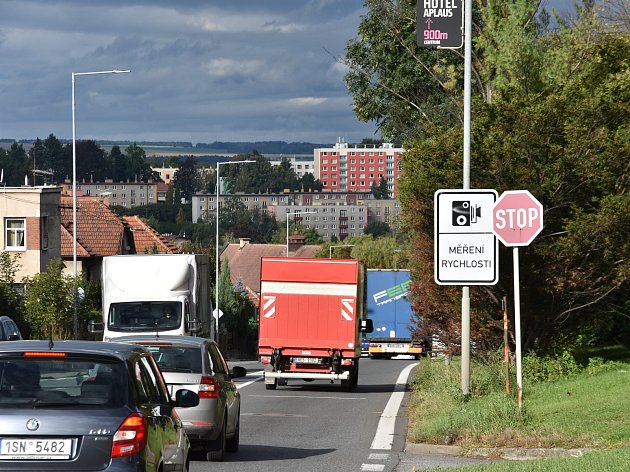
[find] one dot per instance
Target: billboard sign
(440, 24)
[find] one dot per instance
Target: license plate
(306, 360)
(48, 449)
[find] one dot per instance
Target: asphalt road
(314, 426)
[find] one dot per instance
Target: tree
(377, 228)
(402, 88)
(15, 165)
(186, 179)
(380, 191)
(137, 167)
(92, 162)
(11, 303)
(374, 252)
(555, 124)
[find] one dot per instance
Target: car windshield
(40, 382)
(177, 359)
(144, 316)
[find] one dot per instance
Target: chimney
(296, 242)
(243, 242)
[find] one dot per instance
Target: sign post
(517, 218)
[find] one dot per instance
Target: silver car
(196, 364)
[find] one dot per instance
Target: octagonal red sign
(517, 218)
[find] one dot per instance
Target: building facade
(126, 194)
(355, 169)
(338, 214)
(30, 227)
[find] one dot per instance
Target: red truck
(311, 318)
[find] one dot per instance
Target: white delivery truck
(162, 294)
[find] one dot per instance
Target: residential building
(300, 164)
(122, 193)
(355, 169)
(30, 227)
(167, 174)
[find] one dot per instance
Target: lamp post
(295, 213)
(74, 190)
(216, 274)
(340, 245)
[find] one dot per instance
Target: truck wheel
(346, 385)
(272, 386)
(355, 376)
(283, 382)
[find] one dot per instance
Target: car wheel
(218, 453)
(232, 443)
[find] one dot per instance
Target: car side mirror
(95, 327)
(238, 371)
(367, 326)
(194, 326)
(13, 337)
(186, 398)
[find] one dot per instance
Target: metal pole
(288, 233)
(215, 322)
(506, 347)
(74, 193)
(466, 185)
(74, 217)
(517, 329)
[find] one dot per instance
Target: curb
(507, 453)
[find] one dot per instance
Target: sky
(201, 70)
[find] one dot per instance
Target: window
(15, 234)
(44, 232)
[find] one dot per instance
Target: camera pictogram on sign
(464, 213)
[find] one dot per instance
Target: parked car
(9, 330)
(56, 415)
(196, 363)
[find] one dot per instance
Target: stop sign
(517, 218)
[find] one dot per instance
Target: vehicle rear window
(177, 359)
(40, 382)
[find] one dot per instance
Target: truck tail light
(208, 387)
(265, 359)
(131, 437)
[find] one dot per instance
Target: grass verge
(581, 406)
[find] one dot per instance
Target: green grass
(587, 408)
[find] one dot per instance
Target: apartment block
(342, 168)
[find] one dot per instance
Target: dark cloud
(201, 71)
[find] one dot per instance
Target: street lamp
(74, 189)
(339, 245)
(295, 213)
(216, 274)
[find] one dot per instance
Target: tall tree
(186, 178)
(551, 109)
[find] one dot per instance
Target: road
(314, 426)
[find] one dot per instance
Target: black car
(9, 330)
(88, 405)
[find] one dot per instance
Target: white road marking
(375, 456)
(259, 376)
(384, 437)
(372, 467)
